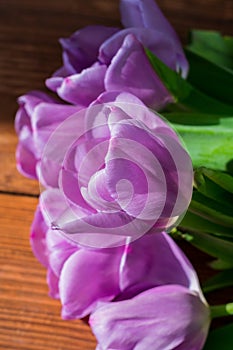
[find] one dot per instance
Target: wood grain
(10, 179)
(29, 318)
(29, 53)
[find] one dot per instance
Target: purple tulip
(123, 75)
(147, 14)
(115, 59)
(162, 318)
(38, 116)
(121, 171)
(81, 49)
(82, 277)
(79, 277)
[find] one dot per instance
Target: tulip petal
(166, 317)
(38, 238)
(147, 14)
(158, 261)
(80, 50)
(131, 62)
(135, 109)
(46, 118)
(60, 249)
(157, 164)
(85, 280)
(82, 88)
(157, 42)
(52, 281)
(26, 162)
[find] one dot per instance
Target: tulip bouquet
(133, 150)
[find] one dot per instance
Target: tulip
(115, 59)
(38, 116)
(121, 171)
(162, 318)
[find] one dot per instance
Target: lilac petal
(97, 193)
(184, 169)
(26, 162)
(135, 109)
(71, 189)
(123, 98)
(83, 159)
(46, 118)
(27, 151)
(128, 183)
(38, 238)
(145, 173)
(81, 48)
(22, 119)
(47, 172)
(32, 99)
(166, 317)
(27, 105)
(99, 222)
(54, 83)
(83, 88)
(157, 42)
(61, 72)
(152, 256)
(125, 67)
(60, 249)
(52, 281)
(46, 114)
(147, 14)
(56, 209)
(59, 142)
(159, 158)
(98, 347)
(99, 269)
(61, 216)
(93, 230)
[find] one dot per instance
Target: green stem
(221, 310)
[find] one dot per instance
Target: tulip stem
(221, 310)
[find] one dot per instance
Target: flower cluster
(141, 295)
(116, 178)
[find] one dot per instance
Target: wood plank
(10, 179)
(200, 14)
(30, 56)
(29, 318)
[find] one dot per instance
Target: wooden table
(29, 52)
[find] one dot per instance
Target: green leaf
(205, 183)
(215, 247)
(219, 206)
(213, 46)
(192, 118)
(222, 280)
(209, 145)
(212, 200)
(194, 222)
(208, 77)
(223, 180)
(186, 96)
(211, 213)
(221, 264)
(220, 339)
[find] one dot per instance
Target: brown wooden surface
(29, 52)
